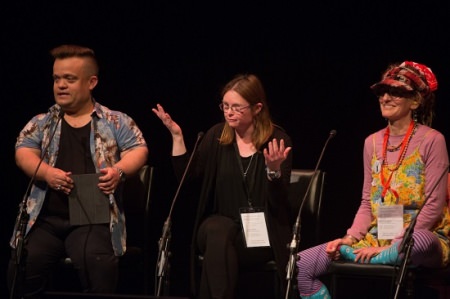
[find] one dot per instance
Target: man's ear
(93, 82)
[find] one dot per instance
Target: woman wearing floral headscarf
(405, 171)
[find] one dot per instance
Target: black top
(73, 155)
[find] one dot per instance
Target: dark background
(316, 60)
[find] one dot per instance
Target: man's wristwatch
(272, 174)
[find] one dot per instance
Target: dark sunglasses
(393, 91)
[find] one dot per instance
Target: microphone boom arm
(23, 217)
(294, 245)
(163, 254)
(408, 242)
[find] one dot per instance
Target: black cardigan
(273, 194)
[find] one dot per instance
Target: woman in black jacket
(243, 168)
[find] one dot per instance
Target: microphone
(293, 246)
(23, 217)
(164, 240)
(332, 134)
(199, 136)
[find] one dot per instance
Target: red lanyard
(405, 143)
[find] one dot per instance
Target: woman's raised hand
(173, 127)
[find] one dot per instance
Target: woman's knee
(216, 229)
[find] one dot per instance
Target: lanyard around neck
(245, 174)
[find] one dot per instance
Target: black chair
(310, 220)
(355, 280)
(134, 265)
(309, 235)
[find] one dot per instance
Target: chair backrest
(136, 200)
(311, 210)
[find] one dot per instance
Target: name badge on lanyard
(254, 226)
(390, 221)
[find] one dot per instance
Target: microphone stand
(23, 217)
(294, 245)
(163, 254)
(408, 241)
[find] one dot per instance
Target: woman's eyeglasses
(234, 108)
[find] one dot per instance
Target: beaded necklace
(394, 148)
(404, 146)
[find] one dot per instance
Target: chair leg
(333, 286)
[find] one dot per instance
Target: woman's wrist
(351, 238)
(273, 174)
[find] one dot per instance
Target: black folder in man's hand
(87, 203)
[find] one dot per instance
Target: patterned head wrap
(410, 76)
